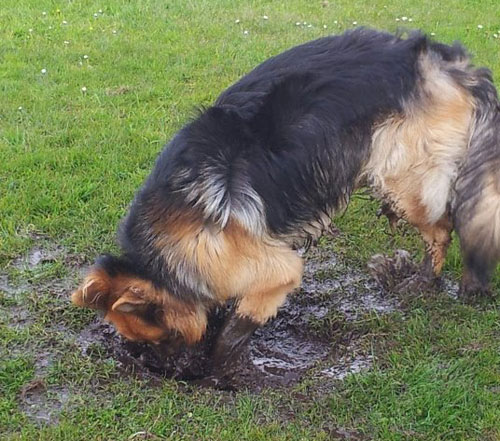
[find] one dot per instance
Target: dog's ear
(133, 300)
(94, 291)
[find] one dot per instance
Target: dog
(242, 187)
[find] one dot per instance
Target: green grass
(71, 161)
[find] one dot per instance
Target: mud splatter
(348, 365)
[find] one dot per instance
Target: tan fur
(100, 291)
(437, 238)
(415, 156)
(134, 328)
(231, 262)
(263, 303)
(235, 263)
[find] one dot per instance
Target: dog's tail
(476, 206)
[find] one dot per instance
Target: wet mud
(309, 336)
(42, 403)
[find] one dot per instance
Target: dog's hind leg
(476, 206)
(437, 238)
(478, 226)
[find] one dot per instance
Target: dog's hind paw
(476, 295)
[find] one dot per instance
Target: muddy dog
(253, 178)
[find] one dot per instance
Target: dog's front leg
(231, 341)
(252, 311)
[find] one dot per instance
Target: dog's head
(138, 309)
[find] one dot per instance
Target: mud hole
(307, 337)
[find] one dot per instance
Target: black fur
(295, 130)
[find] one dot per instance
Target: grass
(71, 161)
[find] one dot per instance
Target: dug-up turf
(309, 337)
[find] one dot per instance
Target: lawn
(90, 91)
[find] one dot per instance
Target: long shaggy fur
(262, 171)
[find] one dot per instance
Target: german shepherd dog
(258, 175)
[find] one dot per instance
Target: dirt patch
(41, 403)
(37, 256)
(308, 335)
(8, 291)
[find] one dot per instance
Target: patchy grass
(71, 161)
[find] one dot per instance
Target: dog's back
(281, 149)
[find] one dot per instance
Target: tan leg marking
(262, 305)
(437, 238)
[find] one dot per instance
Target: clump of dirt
(283, 351)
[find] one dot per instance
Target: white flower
(354, 23)
(85, 57)
(114, 31)
(404, 18)
(495, 35)
(84, 89)
(44, 71)
(237, 20)
(309, 25)
(410, 19)
(480, 26)
(325, 26)
(100, 11)
(245, 32)
(44, 13)
(265, 17)
(50, 27)
(64, 22)
(66, 42)
(304, 23)
(433, 33)
(95, 15)
(336, 21)
(397, 19)
(20, 108)
(30, 30)
(297, 23)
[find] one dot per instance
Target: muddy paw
(473, 296)
(390, 272)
